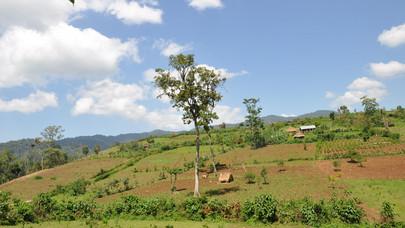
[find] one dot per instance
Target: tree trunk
(212, 154)
(42, 161)
(197, 161)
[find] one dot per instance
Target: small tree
(173, 172)
(97, 149)
(336, 164)
(250, 177)
(281, 165)
(85, 150)
(263, 174)
(255, 123)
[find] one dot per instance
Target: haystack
(291, 129)
(225, 177)
(299, 135)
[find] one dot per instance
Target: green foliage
(336, 164)
(77, 187)
(262, 209)
(263, 174)
(193, 208)
(54, 157)
(250, 177)
(85, 150)
(254, 122)
(387, 212)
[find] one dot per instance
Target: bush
(250, 177)
(265, 209)
(387, 212)
(193, 208)
(77, 187)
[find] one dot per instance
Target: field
(294, 171)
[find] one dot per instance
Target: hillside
(335, 163)
(19, 147)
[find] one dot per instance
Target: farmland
(296, 171)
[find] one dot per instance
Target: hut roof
(291, 129)
(299, 135)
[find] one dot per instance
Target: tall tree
(85, 150)
(97, 148)
(255, 123)
(191, 89)
(370, 109)
(50, 135)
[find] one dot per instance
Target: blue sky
(89, 67)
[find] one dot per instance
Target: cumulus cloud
(135, 13)
(169, 47)
(34, 57)
(387, 70)
(358, 88)
(330, 94)
(393, 37)
(224, 72)
(35, 14)
(365, 83)
(228, 114)
(111, 98)
(149, 75)
(204, 4)
(166, 118)
(35, 102)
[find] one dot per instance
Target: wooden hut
(299, 135)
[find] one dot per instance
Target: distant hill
(19, 147)
(273, 118)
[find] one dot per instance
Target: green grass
(374, 192)
(148, 224)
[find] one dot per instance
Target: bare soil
(384, 167)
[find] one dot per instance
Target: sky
(89, 67)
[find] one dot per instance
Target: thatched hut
(299, 135)
(225, 177)
(291, 129)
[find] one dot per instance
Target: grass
(147, 224)
(374, 192)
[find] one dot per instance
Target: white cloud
(35, 14)
(169, 47)
(149, 75)
(223, 72)
(330, 94)
(166, 118)
(111, 98)
(286, 115)
(365, 83)
(134, 13)
(204, 4)
(34, 57)
(358, 88)
(386, 70)
(35, 102)
(228, 114)
(393, 37)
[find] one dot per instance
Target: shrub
(77, 187)
(265, 209)
(336, 164)
(193, 208)
(387, 212)
(250, 177)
